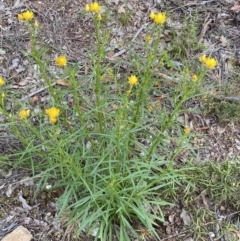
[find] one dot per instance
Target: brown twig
(205, 28)
(36, 92)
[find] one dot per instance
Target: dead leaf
(17, 4)
(204, 128)
(24, 202)
(224, 41)
(24, 82)
(34, 99)
(160, 97)
(235, 8)
(86, 69)
(9, 191)
(185, 217)
(62, 82)
(237, 233)
(203, 196)
(121, 9)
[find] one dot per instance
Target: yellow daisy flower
(128, 92)
(187, 129)
(27, 16)
(159, 18)
(194, 78)
(95, 7)
(133, 80)
(211, 63)
(52, 113)
(99, 16)
(148, 38)
(53, 120)
(36, 24)
(203, 58)
(87, 8)
(152, 15)
(23, 114)
(20, 17)
(61, 61)
(2, 82)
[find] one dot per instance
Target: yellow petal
(61, 61)
(152, 15)
(160, 18)
(87, 8)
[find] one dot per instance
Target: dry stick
(193, 4)
(139, 31)
(37, 91)
(205, 28)
(230, 98)
(175, 235)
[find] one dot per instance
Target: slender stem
(98, 74)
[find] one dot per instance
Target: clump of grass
(224, 110)
(125, 18)
(109, 152)
(208, 187)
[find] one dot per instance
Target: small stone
(222, 208)
(211, 235)
(18, 234)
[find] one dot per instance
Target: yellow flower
(187, 129)
(20, 17)
(99, 16)
(194, 78)
(133, 80)
(53, 120)
(150, 108)
(2, 82)
(148, 38)
(152, 15)
(203, 58)
(159, 18)
(61, 61)
(95, 7)
(36, 24)
(3, 95)
(52, 113)
(87, 8)
(28, 15)
(23, 114)
(211, 63)
(128, 92)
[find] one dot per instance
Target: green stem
(98, 73)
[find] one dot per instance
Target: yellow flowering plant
(114, 140)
